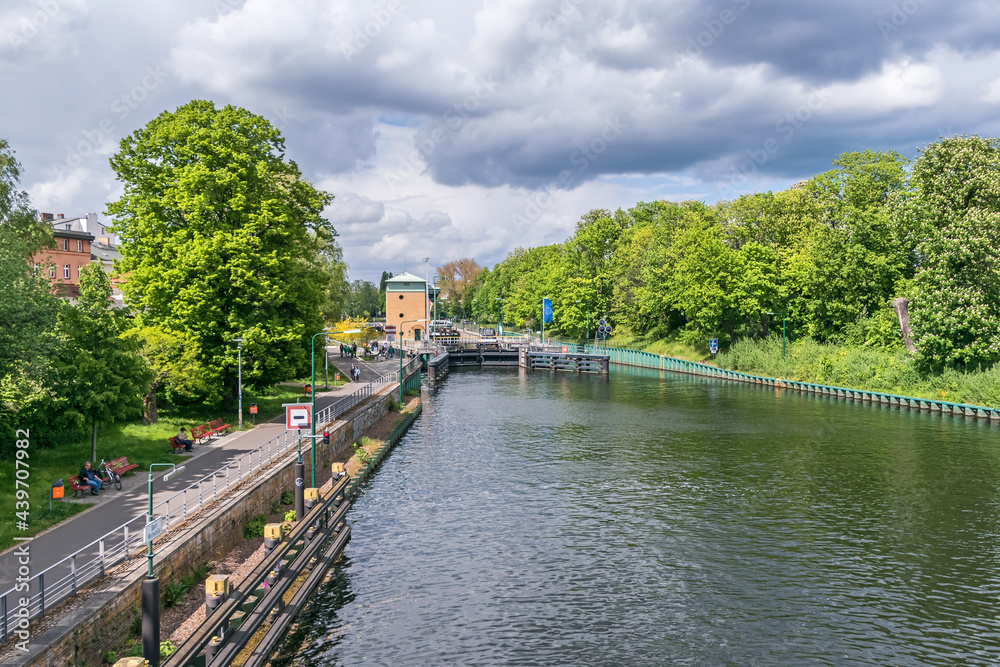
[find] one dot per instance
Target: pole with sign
(713, 346)
(298, 416)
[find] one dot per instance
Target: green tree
(953, 221)
(99, 375)
(221, 239)
(175, 368)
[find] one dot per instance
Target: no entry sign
(297, 416)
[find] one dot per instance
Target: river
(648, 519)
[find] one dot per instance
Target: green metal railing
(641, 359)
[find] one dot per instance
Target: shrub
(255, 527)
(287, 497)
(172, 594)
(362, 453)
(290, 515)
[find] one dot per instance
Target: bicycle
(112, 476)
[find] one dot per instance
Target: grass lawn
(142, 445)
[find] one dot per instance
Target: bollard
(273, 534)
(272, 577)
(311, 533)
(217, 589)
(300, 485)
(132, 662)
(312, 497)
(310, 565)
(338, 470)
(211, 649)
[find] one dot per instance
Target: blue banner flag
(547, 310)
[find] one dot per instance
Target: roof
(405, 277)
(103, 252)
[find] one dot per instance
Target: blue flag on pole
(547, 310)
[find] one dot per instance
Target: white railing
(69, 575)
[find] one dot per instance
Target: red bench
(78, 489)
(199, 432)
(122, 466)
(175, 445)
(216, 426)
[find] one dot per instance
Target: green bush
(172, 594)
(363, 456)
(287, 497)
(290, 515)
(255, 527)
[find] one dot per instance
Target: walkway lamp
(239, 362)
(782, 330)
(151, 585)
(312, 391)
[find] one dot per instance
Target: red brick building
(62, 263)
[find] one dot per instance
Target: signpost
(298, 416)
(152, 530)
(713, 346)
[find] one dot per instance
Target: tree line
(222, 240)
(830, 255)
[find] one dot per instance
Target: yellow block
(337, 468)
(217, 584)
(132, 662)
(312, 494)
(273, 530)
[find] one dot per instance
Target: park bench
(175, 445)
(199, 432)
(122, 466)
(216, 426)
(78, 489)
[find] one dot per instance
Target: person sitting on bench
(182, 439)
(88, 476)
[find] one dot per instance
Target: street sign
(713, 345)
(390, 329)
(391, 337)
(297, 416)
(152, 530)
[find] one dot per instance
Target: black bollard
(300, 490)
(151, 621)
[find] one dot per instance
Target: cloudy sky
(448, 129)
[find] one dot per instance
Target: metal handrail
(94, 559)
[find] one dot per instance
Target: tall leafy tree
(953, 220)
(100, 376)
(220, 240)
(457, 278)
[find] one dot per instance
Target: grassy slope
(140, 443)
(855, 367)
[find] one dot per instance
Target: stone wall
(104, 620)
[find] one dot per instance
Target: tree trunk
(149, 413)
(763, 323)
(93, 443)
(902, 312)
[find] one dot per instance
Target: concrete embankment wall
(102, 620)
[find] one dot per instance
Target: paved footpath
(115, 508)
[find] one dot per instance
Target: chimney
(59, 216)
(46, 217)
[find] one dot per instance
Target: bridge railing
(92, 561)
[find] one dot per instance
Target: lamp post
(782, 330)
(500, 315)
(239, 356)
(312, 392)
(401, 356)
(151, 585)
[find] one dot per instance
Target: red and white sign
(565, 348)
(390, 329)
(297, 417)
